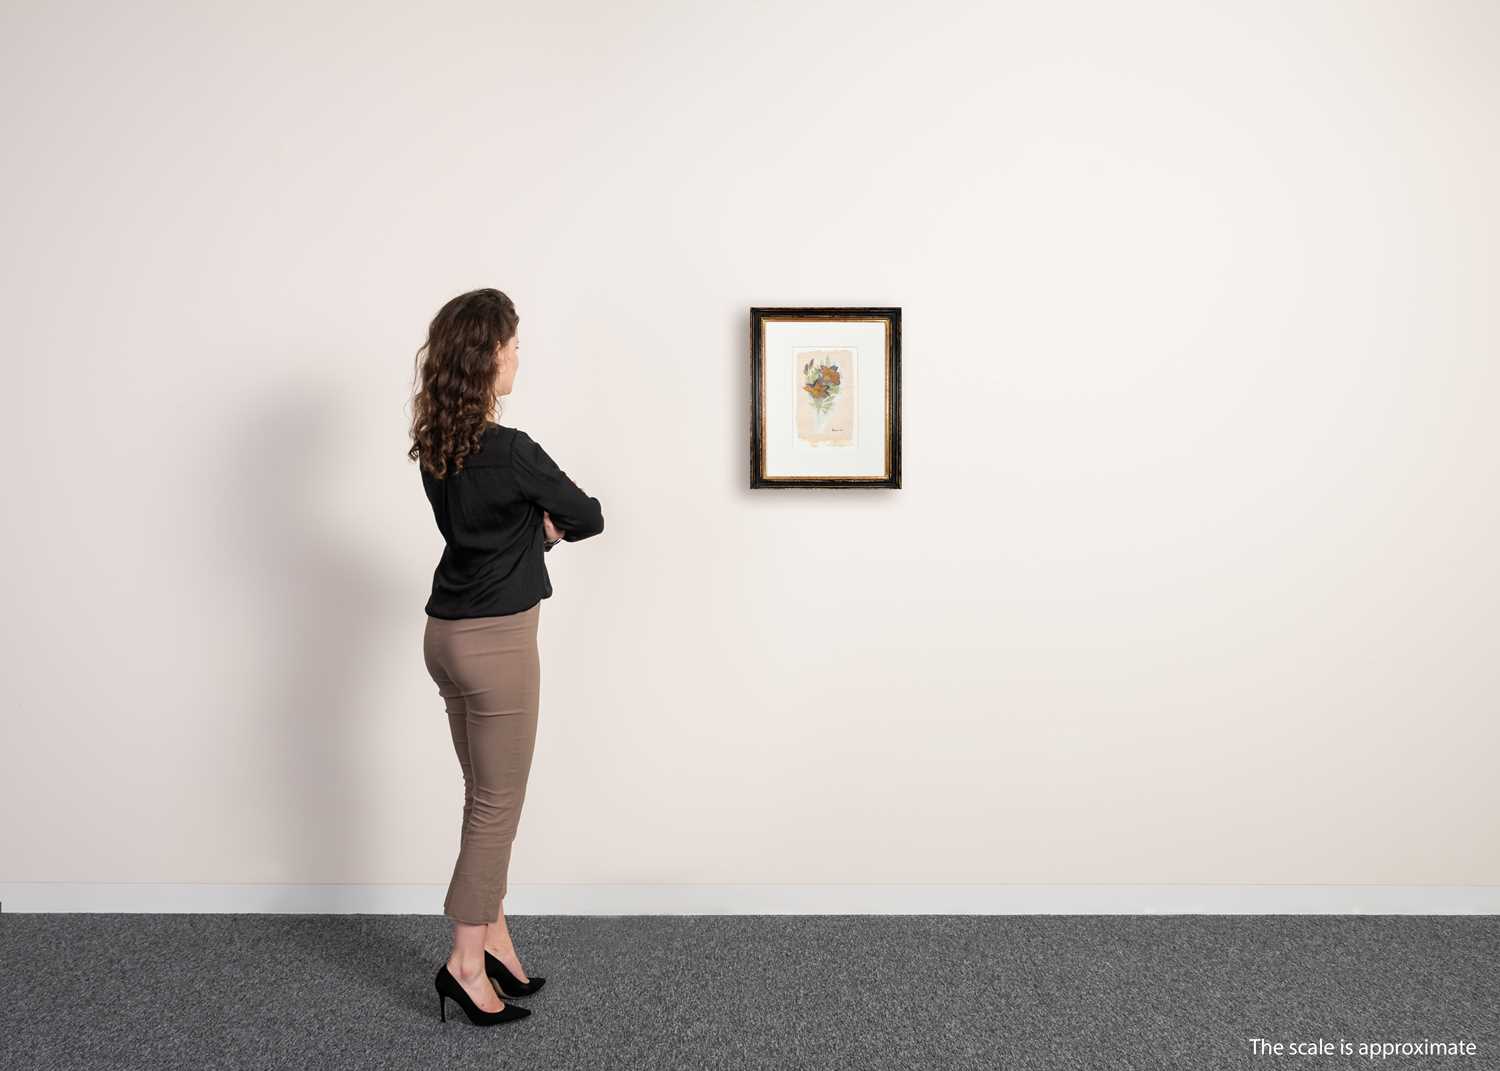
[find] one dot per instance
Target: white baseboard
(45, 897)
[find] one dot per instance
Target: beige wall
(1193, 578)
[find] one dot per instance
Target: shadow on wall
(308, 600)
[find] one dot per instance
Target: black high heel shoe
(509, 984)
(449, 986)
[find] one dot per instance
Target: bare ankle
(465, 971)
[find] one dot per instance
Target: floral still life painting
(826, 402)
(825, 396)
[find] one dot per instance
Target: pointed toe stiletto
(449, 987)
(510, 985)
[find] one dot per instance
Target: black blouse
(490, 514)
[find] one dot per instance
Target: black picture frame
(759, 317)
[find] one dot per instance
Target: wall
(1193, 578)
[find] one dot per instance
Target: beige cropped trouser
(488, 671)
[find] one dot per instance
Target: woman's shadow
(314, 598)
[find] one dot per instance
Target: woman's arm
(576, 514)
(550, 532)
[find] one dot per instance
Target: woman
(501, 503)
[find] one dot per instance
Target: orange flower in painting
(821, 382)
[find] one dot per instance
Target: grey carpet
(712, 991)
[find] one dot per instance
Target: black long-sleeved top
(490, 514)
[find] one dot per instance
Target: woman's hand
(552, 532)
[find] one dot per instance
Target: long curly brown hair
(454, 380)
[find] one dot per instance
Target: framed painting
(825, 397)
